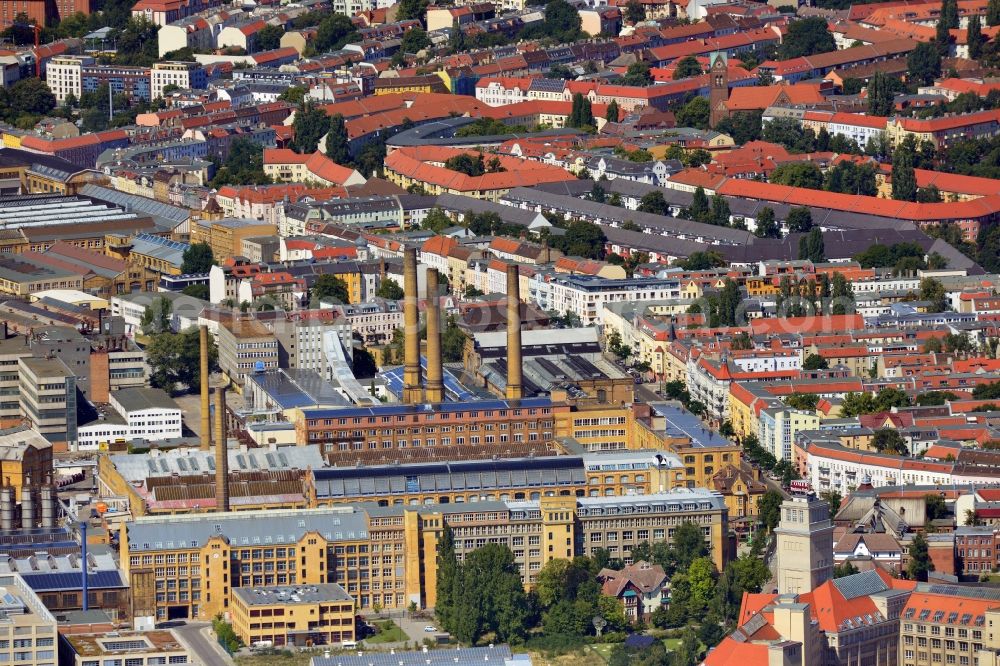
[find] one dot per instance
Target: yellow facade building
(299, 615)
(187, 566)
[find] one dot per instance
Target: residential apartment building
(779, 426)
(586, 295)
(184, 75)
(947, 625)
(245, 346)
(187, 566)
(64, 76)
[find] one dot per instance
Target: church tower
(718, 93)
(804, 544)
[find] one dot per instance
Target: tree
(310, 124)
(845, 569)
(637, 74)
(720, 213)
(743, 127)
(815, 362)
(196, 291)
(337, 147)
(329, 287)
(974, 37)
(798, 174)
(562, 22)
(807, 37)
(197, 258)
(767, 226)
(932, 290)
(904, 178)
(581, 115)
(412, 10)
(889, 441)
(157, 316)
(694, 114)
(699, 208)
(702, 578)
(920, 562)
(174, 359)
(687, 546)
(653, 202)
(834, 499)
(452, 341)
(635, 12)
(488, 596)
(804, 401)
(799, 219)
(993, 13)
(582, 239)
(447, 574)
(269, 37)
(611, 115)
(700, 261)
(456, 38)
(812, 247)
(28, 96)
(770, 508)
(336, 30)
(244, 165)
(924, 63)
(851, 178)
(881, 99)
(686, 68)
(935, 506)
(390, 290)
(414, 40)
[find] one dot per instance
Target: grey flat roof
(136, 399)
(289, 595)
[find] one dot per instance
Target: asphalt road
(200, 641)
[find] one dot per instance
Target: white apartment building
(184, 75)
(778, 428)
(586, 295)
(502, 91)
(64, 76)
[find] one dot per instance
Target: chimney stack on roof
(515, 391)
(206, 419)
(412, 392)
(435, 373)
(221, 452)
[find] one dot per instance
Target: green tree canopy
(329, 287)
(309, 126)
(807, 37)
(686, 67)
(197, 258)
(174, 360)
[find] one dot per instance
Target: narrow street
(200, 641)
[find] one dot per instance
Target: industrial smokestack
(221, 453)
(412, 393)
(48, 507)
(514, 370)
(84, 566)
(206, 421)
(27, 507)
(435, 374)
(6, 508)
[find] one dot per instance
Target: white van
(349, 645)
